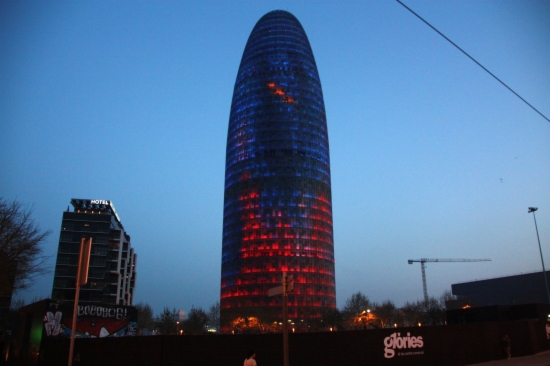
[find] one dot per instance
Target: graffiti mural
(92, 321)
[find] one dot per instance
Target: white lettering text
(396, 341)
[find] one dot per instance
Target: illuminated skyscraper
(278, 204)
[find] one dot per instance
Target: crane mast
(423, 267)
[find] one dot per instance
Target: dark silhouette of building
(517, 297)
(525, 288)
(112, 273)
(498, 313)
(277, 204)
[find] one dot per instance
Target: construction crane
(424, 260)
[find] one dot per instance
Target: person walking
(250, 361)
(506, 346)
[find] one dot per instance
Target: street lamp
(364, 318)
(533, 209)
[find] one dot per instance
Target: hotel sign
(99, 202)
(107, 203)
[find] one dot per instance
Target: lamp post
(364, 318)
(533, 209)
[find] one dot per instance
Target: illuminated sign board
(107, 203)
(99, 202)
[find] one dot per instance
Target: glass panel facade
(277, 204)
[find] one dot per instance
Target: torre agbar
(277, 204)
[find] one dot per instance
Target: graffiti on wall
(92, 321)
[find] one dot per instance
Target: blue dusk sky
(430, 156)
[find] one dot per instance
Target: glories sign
(396, 341)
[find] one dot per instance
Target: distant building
(509, 298)
(498, 313)
(112, 273)
(181, 315)
(527, 288)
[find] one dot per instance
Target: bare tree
(423, 312)
(435, 312)
(355, 306)
(196, 321)
(385, 313)
(22, 257)
(332, 318)
(446, 296)
(412, 313)
(17, 303)
(146, 318)
(214, 316)
(166, 321)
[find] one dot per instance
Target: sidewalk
(540, 359)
